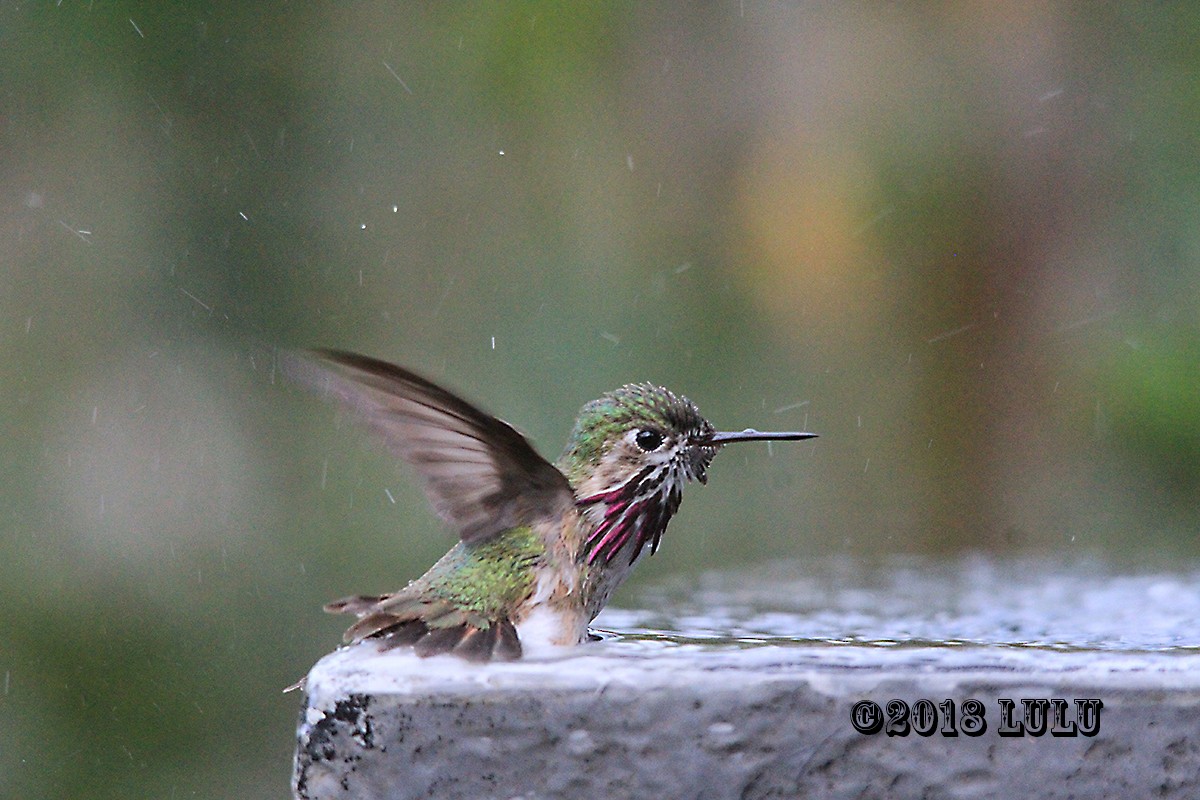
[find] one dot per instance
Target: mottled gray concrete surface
(643, 719)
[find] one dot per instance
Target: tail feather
(402, 634)
(431, 626)
(508, 645)
(373, 624)
(477, 644)
(439, 640)
(356, 604)
(449, 618)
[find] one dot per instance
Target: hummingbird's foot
(432, 627)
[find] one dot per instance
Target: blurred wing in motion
(480, 474)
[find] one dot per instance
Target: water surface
(974, 603)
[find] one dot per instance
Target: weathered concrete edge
(366, 669)
(742, 723)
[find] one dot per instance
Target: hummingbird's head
(628, 458)
(637, 428)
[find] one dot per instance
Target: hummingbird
(541, 546)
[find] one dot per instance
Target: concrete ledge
(628, 718)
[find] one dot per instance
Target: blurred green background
(960, 241)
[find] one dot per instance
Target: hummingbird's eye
(648, 440)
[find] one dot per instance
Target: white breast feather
(544, 626)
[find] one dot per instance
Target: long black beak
(751, 435)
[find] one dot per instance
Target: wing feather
(480, 474)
